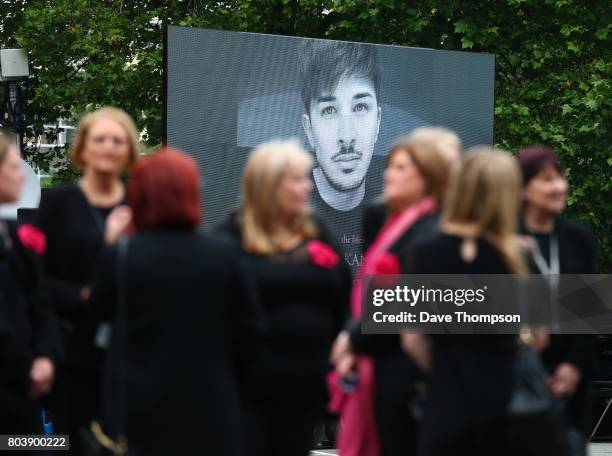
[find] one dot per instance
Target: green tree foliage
(553, 64)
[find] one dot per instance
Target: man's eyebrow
(326, 99)
(362, 95)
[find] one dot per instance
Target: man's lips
(346, 157)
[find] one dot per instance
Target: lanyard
(543, 266)
(551, 270)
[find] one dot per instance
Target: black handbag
(534, 420)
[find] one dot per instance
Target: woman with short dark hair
(184, 321)
(559, 246)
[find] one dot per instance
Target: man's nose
(346, 131)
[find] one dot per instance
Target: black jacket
(192, 328)
(576, 256)
(396, 373)
(28, 327)
(375, 217)
(472, 375)
(75, 237)
(305, 306)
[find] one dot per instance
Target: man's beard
(344, 154)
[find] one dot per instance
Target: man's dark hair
(323, 63)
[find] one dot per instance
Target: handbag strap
(121, 337)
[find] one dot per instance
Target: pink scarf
(358, 434)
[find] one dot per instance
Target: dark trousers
(281, 430)
(395, 377)
(470, 388)
(19, 416)
(75, 403)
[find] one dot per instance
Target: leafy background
(552, 72)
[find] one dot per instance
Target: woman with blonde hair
(445, 141)
(74, 218)
(471, 375)
(303, 285)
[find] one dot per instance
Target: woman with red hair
(183, 320)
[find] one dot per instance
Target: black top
(576, 256)
(374, 217)
(75, 236)
(305, 306)
(472, 374)
(441, 255)
(347, 225)
(425, 228)
(576, 246)
(192, 325)
(28, 328)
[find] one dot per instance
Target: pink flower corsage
(32, 238)
(322, 255)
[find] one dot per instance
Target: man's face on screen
(342, 128)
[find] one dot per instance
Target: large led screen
(345, 102)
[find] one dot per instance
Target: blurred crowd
(126, 328)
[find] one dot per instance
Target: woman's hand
(117, 223)
(565, 380)
(85, 294)
(541, 339)
(42, 375)
(342, 356)
(418, 348)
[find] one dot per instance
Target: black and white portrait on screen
(345, 102)
(340, 87)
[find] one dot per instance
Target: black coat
(192, 328)
(305, 307)
(374, 217)
(75, 237)
(396, 373)
(576, 256)
(28, 327)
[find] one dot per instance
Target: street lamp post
(14, 68)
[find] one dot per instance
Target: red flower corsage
(322, 255)
(388, 264)
(32, 238)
